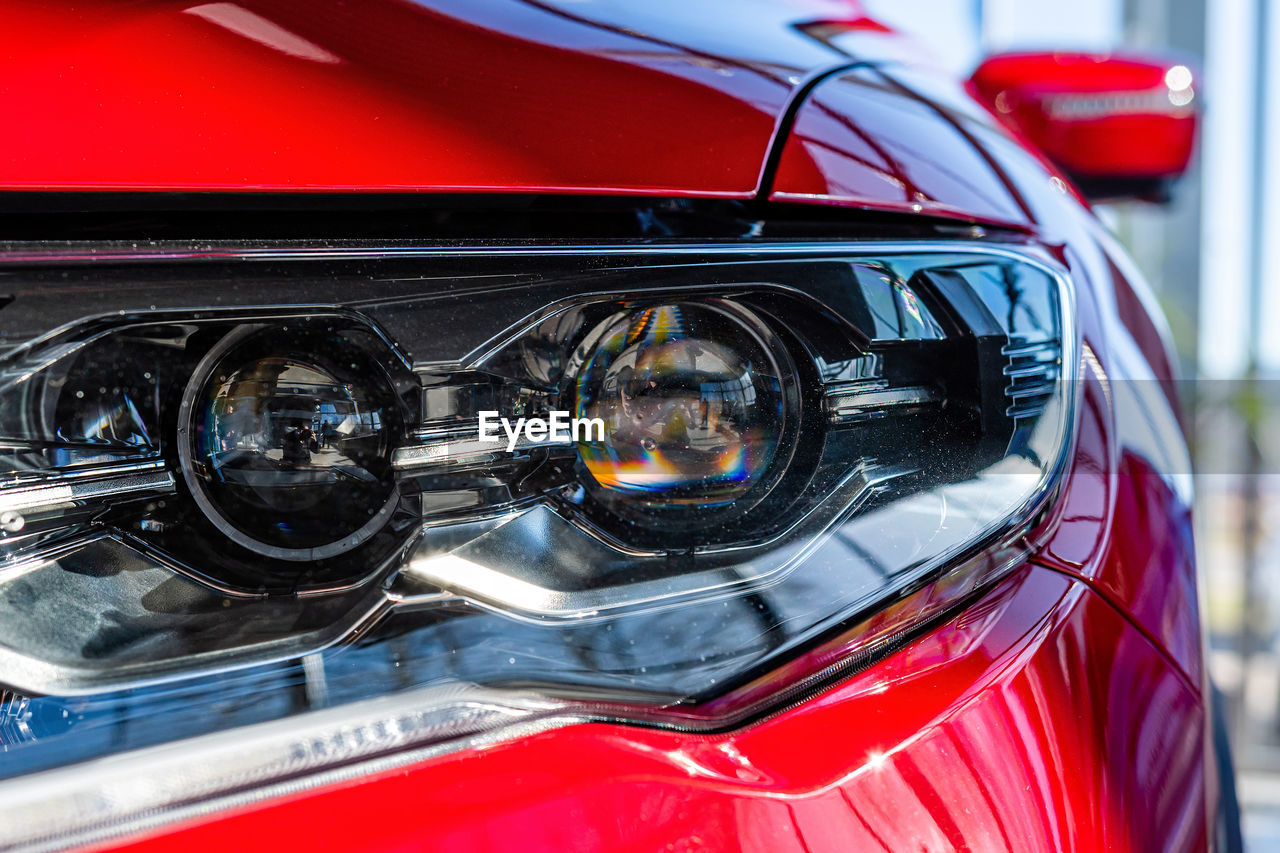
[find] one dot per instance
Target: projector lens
(287, 445)
(692, 406)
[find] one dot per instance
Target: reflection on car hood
(610, 96)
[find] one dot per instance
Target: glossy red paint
(1125, 530)
(522, 96)
(1064, 711)
(389, 95)
(1039, 720)
(1121, 525)
(862, 140)
(1096, 115)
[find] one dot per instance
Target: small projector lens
(288, 443)
(692, 406)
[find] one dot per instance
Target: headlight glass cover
(669, 485)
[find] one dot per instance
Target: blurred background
(1207, 255)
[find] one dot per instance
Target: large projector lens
(286, 444)
(692, 403)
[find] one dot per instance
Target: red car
(548, 425)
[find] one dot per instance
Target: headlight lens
(692, 405)
(286, 444)
(220, 516)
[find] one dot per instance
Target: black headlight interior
(232, 488)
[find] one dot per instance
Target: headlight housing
(242, 487)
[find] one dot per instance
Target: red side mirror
(1121, 127)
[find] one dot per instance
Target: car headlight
(665, 485)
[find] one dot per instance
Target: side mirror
(1120, 127)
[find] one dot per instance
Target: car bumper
(1039, 719)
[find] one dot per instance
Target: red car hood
(439, 95)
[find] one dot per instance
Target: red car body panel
(901, 154)
(1124, 522)
(280, 94)
(1053, 715)
(269, 95)
(1039, 720)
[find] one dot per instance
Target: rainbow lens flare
(691, 402)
